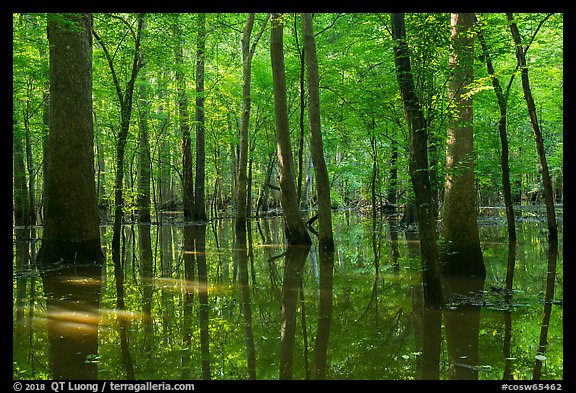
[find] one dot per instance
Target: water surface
(268, 312)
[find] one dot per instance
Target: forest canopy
(364, 130)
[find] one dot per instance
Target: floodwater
(268, 312)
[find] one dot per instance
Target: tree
(144, 175)
(326, 240)
(547, 183)
(71, 227)
(418, 164)
(20, 189)
(247, 54)
(125, 100)
(187, 177)
(199, 197)
(460, 251)
(504, 161)
(295, 228)
(187, 169)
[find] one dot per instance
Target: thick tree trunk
(71, 227)
(547, 183)
(418, 165)
(326, 241)
(295, 227)
(460, 251)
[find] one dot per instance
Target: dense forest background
(363, 125)
(421, 123)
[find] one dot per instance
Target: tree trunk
(502, 103)
(242, 200)
(301, 119)
(296, 232)
(31, 171)
(144, 163)
(144, 173)
(100, 167)
(125, 101)
(393, 185)
(71, 227)
(326, 241)
(418, 164)
(241, 208)
(187, 169)
(460, 251)
(163, 188)
(199, 199)
(546, 182)
(20, 188)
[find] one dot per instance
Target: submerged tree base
(461, 261)
(87, 252)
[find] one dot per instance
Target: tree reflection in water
(298, 314)
(462, 324)
(73, 316)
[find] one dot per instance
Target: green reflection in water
(373, 329)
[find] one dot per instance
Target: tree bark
(199, 197)
(241, 193)
(418, 164)
(546, 181)
(144, 174)
(301, 119)
(144, 163)
(242, 203)
(187, 166)
(20, 187)
(326, 240)
(296, 232)
(502, 103)
(460, 252)
(71, 226)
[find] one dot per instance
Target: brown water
(290, 313)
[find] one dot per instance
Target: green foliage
(362, 120)
(358, 88)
